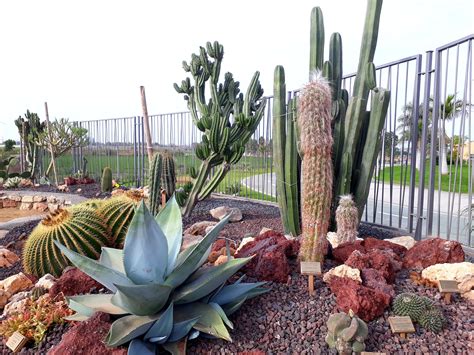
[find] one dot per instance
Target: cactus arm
(204, 171)
(379, 110)
(279, 138)
(316, 56)
(335, 58)
(214, 182)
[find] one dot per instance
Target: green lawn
(459, 179)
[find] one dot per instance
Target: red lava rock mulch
(74, 282)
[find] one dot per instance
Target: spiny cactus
(12, 182)
(347, 219)
(155, 183)
(346, 333)
(168, 175)
(314, 124)
(117, 212)
(78, 227)
(409, 304)
(432, 320)
(106, 181)
(37, 292)
(227, 120)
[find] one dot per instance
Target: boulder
(246, 240)
(468, 296)
(3, 298)
(87, 338)
(374, 243)
(366, 302)
(271, 251)
(343, 251)
(433, 251)
(74, 282)
(25, 206)
(466, 284)
(7, 258)
(47, 281)
(27, 199)
(189, 240)
(375, 279)
(199, 228)
(40, 206)
(381, 260)
(455, 271)
(343, 271)
(15, 283)
(222, 211)
(39, 198)
(406, 241)
(219, 248)
(15, 306)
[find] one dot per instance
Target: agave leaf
(127, 328)
(171, 223)
(141, 300)
(176, 348)
(193, 260)
(222, 314)
(140, 347)
(112, 258)
(186, 252)
(235, 291)
(163, 326)
(77, 318)
(181, 329)
(89, 304)
(146, 249)
(193, 334)
(210, 322)
(208, 282)
(106, 276)
(232, 307)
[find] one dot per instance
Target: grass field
(461, 174)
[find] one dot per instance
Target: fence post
(414, 142)
(135, 178)
(424, 138)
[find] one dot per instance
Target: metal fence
(433, 197)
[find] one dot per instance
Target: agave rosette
(161, 296)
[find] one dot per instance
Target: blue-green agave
(160, 296)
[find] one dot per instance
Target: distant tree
(261, 145)
(9, 144)
(252, 146)
(390, 140)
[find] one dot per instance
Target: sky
(87, 59)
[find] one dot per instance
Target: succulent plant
(37, 292)
(409, 304)
(155, 183)
(168, 175)
(117, 212)
(12, 182)
(80, 228)
(106, 180)
(347, 219)
(315, 147)
(161, 296)
(346, 333)
(432, 320)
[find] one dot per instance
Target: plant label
(310, 268)
(16, 342)
(447, 287)
(401, 325)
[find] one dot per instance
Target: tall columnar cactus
(227, 120)
(347, 219)
(155, 183)
(314, 124)
(106, 180)
(346, 333)
(79, 227)
(168, 175)
(285, 156)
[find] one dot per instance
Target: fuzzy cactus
(347, 219)
(346, 333)
(106, 181)
(315, 146)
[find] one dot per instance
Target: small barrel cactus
(347, 219)
(315, 147)
(78, 227)
(106, 181)
(409, 304)
(432, 320)
(346, 333)
(37, 292)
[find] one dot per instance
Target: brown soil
(7, 214)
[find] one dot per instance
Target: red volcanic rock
(374, 279)
(271, 250)
(87, 338)
(433, 251)
(74, 282)
(374, 243)
(343, 251)
(380, 260)
(367, 303)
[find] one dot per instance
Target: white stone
(47, 281)
(245, 241)
(16, 198)
(14, 284)
(343, 271)
(406, 241)
(200, 228)
(469, 296)
(27, 198)
(333, 239)
(14, 307)
(264, 230)
(26, 206)
(454, 271)
(39, 198)
(51, 199)
(52, 207)
(466, 284)
(7, 257)
(222, 211)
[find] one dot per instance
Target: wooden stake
(163, 198)
(447, 297)
(146, 124)
(311, 285)
(48, 125)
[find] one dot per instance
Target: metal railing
(408, 190)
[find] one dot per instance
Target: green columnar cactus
(227, 120)
(106, 180)
(78, 227)
(347, 219)
(346, 333)
(168, 175)
(155, 183)
(314, 124)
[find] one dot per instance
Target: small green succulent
(160, 296)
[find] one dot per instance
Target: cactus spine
(78, 227)
(347, 219)
(106, 180)
(346, 333)
(168, 176)
(314, 124)
(155, 184)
